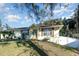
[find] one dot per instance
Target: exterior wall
(70, 42)
(52, 33)
(55, 33)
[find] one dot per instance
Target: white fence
(71, 42)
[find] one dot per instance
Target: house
(45, 31)
(48, 31)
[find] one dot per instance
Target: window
(47, 32)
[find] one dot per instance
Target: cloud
(64, 8)
(68, 16)
(4, 9)
(59, 10)
(62, 11)
(71, 15)
(12, 17)
(7, 8)
(31, 16)
(2, 5)
(29, 19)
(26, 17)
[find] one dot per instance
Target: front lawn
(13, 48)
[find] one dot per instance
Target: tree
(0, 23)
(76, 18)
(39, 13)
(51, 7)
(54, 22)
(7, 27)
(34, 27)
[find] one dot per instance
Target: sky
(16, 17)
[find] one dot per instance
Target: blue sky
(16, 17)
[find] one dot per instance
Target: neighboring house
(3, 32)
(17, 33)
(21, 32)
(6, 34)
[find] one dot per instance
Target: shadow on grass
(40, 51)
(24, 43)
(20, 42)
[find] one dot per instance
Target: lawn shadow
(40, 51)
(20, 42)
(31, 44)
(24, 43)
